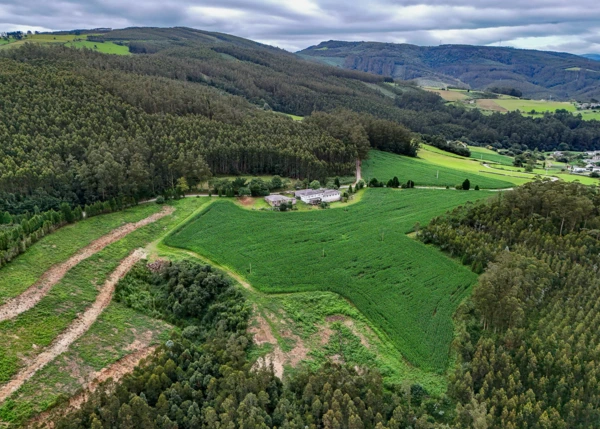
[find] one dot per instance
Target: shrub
(160, 200)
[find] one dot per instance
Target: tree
(466, 185)
(182, 186)
(337, 182)
(67, 213)
(276, 182)
(315, 184)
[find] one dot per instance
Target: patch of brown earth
(77, 328)
(277, 358)
(28, 299)
(246, 201)
(488, 104)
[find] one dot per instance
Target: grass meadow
(432, 168)
(483, 154)
(407, 290)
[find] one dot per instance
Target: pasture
(432, 168)
(407, 290)
(483, 154)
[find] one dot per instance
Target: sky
(557, 25)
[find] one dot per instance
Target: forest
(528, 338)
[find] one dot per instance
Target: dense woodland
(203, 378)
(528, 339)
(79, 126)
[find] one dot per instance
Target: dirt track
(39, 289)
(77, 328)
(115, 372)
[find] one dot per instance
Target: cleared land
(36, 292)
(431, 169)
(118, 332)
(407, 290)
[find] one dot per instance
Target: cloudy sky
(559, 25)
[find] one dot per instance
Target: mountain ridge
(538, 74)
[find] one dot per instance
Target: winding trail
(30, 297)
(77, 328)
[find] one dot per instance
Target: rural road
(75, 330)
(30, 297)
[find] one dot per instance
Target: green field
(431, 169)
(70, 40)
(407, 290)
(483, 154)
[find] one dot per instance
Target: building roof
(311, 192)
(277, 198)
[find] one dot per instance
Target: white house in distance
(316, 196)
(276, 200)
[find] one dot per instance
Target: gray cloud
(295, 24)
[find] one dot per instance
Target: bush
(477, 187)
(466, 185)
(160, 200)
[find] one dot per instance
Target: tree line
(528, 339)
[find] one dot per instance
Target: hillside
(537, 74)
(595, 57)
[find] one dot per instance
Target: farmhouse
(316, 196)
(276, 200)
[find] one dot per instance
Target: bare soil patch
(488, 104)
(38, 290)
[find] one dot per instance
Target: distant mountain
(595, 57)
(537, 74)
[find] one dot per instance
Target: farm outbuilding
(316, 196)
(276, 200)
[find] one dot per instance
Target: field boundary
(32, 295)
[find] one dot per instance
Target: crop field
(409, 291)
(112, 335)
(483, 154)
(432, 168)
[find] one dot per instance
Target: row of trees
(528, 340)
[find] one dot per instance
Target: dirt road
(38, 290)
(115, 372)
(75, 330)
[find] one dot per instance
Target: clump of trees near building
(528, 339)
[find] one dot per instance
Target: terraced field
(407, 290)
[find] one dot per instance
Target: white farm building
(316, 196)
